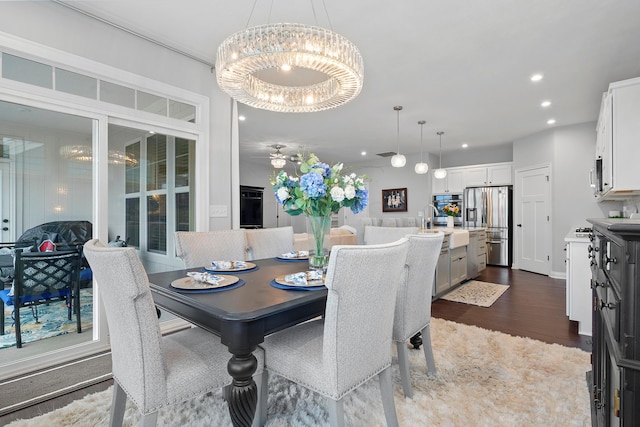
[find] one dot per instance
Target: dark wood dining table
(242, 317)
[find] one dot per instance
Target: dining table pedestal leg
(243, 393)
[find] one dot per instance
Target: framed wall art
(394, 200)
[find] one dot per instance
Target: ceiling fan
(278, 160)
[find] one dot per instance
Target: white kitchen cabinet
(617, 143)
(578, 285)
(458, 265)
(499, 174)
(450, 184)
(478, 176)
(476, 253)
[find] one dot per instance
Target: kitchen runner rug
(52, 320)
(475, 292)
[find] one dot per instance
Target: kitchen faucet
(435, 209)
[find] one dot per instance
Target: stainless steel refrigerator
(491, 207)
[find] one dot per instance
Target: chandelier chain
(440, 134)
(251, 14)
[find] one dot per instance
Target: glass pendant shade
(246, 59)
(398, 161)
(439, 173)
(421, 168)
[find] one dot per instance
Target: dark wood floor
(533, 306)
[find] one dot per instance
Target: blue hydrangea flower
(326, 170)
(313, 185)
(360, 201)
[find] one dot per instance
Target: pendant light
(421, 168)
(398, 160)
(440, 173)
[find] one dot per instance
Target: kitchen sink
(459, 238)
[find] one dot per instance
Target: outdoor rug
(478, 293)
(484, 378)
(53, 320)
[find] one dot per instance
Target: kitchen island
(462, 257)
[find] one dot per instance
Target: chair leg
(403, 364)
(336, 412)
(118, 404)
(428, 351)
(149, 420)
(16, 312)
(76, 304)
(386, 391)
(1, 317)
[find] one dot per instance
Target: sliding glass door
(47, 188)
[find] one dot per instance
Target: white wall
(570, 150)
(58, 27)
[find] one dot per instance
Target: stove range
(583, 232)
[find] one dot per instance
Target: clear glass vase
(318, 235)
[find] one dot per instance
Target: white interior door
(7, 228)
(533, 225)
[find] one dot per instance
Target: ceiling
(464, 66)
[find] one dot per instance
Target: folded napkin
(227, 265)
(304, 277)
(205, 277)
(294, 254)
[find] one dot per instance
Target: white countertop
(571, 237)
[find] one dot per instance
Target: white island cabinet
(578, 285)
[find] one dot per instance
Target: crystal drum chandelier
(248, 64)
(421, 168)
(440, 173)
(398, 160)
(84, 153)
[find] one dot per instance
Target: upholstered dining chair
(375, 235)
(154, 371)
(269, 242)
(352, 344)
(199, 248)
(413, 303)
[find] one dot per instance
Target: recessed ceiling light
(285, 67)
(465, 145)
(551, 121)
(545, 103)
(363, 153)
(536, 77)
(242, 118)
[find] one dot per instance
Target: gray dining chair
(199, 248)
(375, 235)
(152, 370)
(269, 242)
(352, 344)
(413, 302)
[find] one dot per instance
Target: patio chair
(40, 278)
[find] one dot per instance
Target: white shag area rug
(485, 378)
(476, 292)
